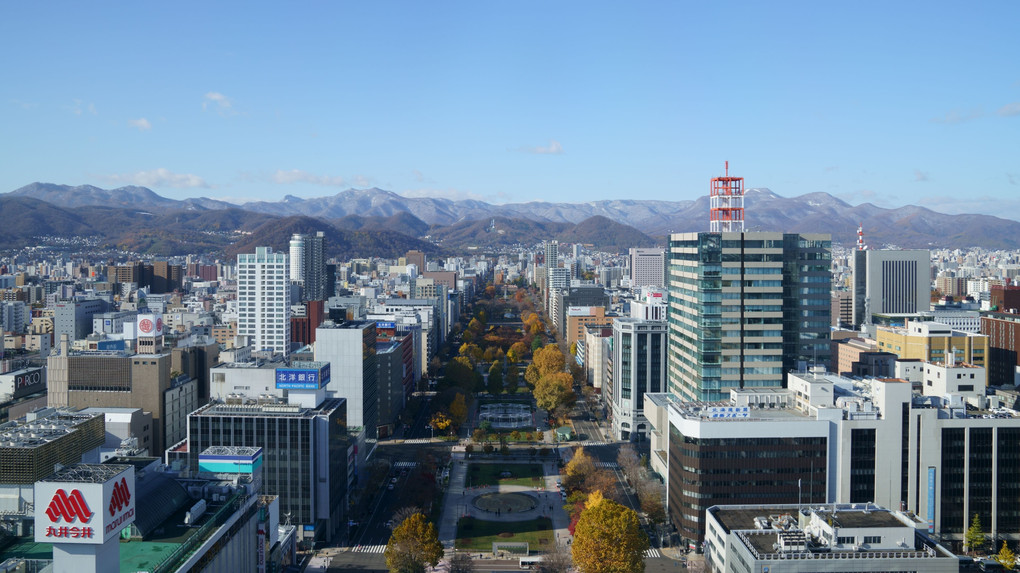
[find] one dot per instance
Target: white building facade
(263, 307)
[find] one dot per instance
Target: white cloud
(157, 178)
(78, 107)
(421, 178)
(958, 116)
(141, 124)
(554, 148)
(1010, 109)
(221, 103)
(920, 176)
(298, 176)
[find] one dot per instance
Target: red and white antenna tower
(727, 202)
(860, 238)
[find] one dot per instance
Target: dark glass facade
(718, 471)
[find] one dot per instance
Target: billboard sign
(150, 324)
(77, 512)
(28, 381)
(303, 378)
(931, 499)
(386, 325)
(726, 412)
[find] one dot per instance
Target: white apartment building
(263, 306)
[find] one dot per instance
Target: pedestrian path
(369, 549)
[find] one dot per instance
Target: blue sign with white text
(302, 378)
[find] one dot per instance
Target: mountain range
(456, 224)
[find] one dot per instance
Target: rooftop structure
(795, 538)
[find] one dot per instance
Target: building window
(876, 539)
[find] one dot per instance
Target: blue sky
(888, 102)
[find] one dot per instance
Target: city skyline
(568, 102)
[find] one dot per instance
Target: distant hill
(22, 219)
(606, 235)
(402, 222)
(468, 223)
(340, 243)
(494, 233)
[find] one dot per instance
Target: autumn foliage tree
(580, 474)
(440, 421)
(414, 546)
(608, 538)
(517, 352)
(1006, 557)
(458, 410)
(549, 360)
(554, 392)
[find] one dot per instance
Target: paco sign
(84, 512)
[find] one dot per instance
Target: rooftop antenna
(860, 238)
(727, 203)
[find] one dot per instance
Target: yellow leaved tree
(414, 546)
(608, 538)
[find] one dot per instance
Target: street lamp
(433, 431)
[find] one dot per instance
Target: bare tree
(557, 560)
(403, 513)
(461, 563)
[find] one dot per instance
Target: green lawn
(477, 535)
(527, 475)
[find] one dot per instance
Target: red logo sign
(69, 507)
(120, 498)
(145, 325)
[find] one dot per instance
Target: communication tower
(727, 202)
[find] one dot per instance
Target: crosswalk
(405, 465)
(607, 465)
(418, 441)
(653, 553)
(592, 443)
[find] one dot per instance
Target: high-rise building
(647, 268)
(584, 295)
(416, 258)
(165, 277)
(744, 308)
(308, 265)
(552, 250)
(890, 281)
(297, 258)
(944, 455)
(305, 451)
(639, 366)
(350, 348)
(263, 308)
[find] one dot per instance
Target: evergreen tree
(974, 538)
